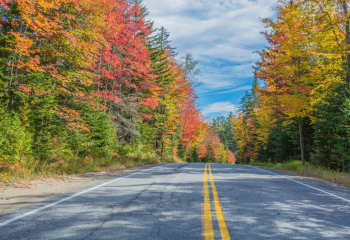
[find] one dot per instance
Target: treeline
(95, 80)
(301, 111)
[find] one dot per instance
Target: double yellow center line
(207, 219)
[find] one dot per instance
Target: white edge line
(66, 199)
(303, 184)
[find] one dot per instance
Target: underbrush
(310, 171)
(29, 168)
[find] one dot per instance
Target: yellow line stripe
(225, 235)
(208, 232)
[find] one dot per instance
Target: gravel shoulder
(16, 197)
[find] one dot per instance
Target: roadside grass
(309, 170)
(29, 168)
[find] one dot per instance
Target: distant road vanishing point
(189, 201)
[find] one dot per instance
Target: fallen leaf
(2, 198)
(278, 213)
(7, 199)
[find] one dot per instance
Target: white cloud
(227, 77)
(222, 35)
(229, 27)
(235, 89)
(220, 107)
(217, 32)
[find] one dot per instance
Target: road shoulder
(335, 187)
(13, 197)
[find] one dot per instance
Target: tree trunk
(347, 40)
(301, 140)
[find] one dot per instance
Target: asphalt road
(185, 201)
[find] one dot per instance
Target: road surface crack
(119, 210)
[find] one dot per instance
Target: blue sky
(222, 35)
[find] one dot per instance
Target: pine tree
(194, 156)
(331, 126)
(159, 48)
(158, 45)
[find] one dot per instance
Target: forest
(299, 104)
(92, 82)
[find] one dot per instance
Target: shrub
(15, 140)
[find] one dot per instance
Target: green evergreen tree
(331, 126)
(194, 155)
(158, 46)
